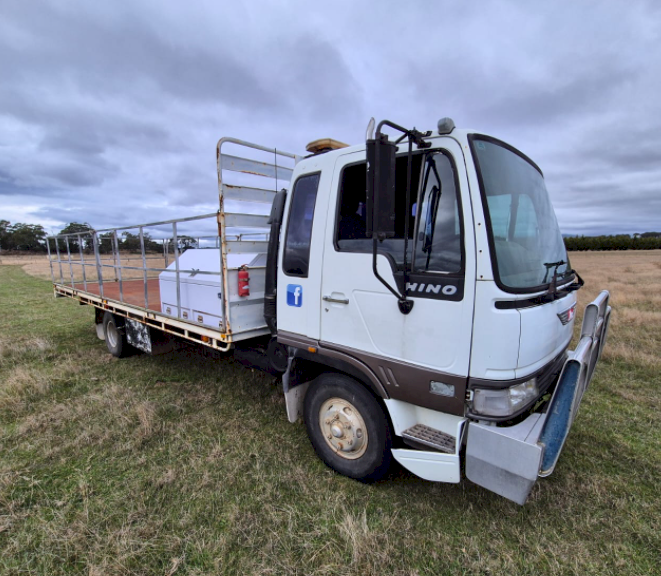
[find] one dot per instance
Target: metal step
(431, 437)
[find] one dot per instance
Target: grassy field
(38, 266)
(186, 464)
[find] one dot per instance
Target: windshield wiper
(555, 265)
(552, 292)
(432, 209)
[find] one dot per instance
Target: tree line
(644, 241)
(33, 238)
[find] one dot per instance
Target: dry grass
(185, 464)
(39, 266)
(634, 281)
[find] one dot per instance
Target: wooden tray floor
(133, 292)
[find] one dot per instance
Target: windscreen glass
(525, 235)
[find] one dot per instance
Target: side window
(351, 219)
(438, 243)
(296, 257)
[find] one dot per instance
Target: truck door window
(296, 257)
(438, 242)
(351, 219)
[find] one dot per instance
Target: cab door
(360, 316)
(301, 249)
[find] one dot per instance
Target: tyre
(278, 356)
(113, 330)
(347, 427)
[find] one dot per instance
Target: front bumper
(508, 460)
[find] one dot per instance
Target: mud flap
(294, 397)
(143, 338)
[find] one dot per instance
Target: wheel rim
(343, 428)
(111, 334)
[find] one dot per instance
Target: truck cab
(431, 285)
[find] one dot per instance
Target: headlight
(490, 402)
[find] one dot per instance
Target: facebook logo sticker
(294, 295)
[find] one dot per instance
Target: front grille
(550, 373)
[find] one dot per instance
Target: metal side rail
(508, 460)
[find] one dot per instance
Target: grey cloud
(627, 148)
(104, 58)
(10, 187)
(544, 102)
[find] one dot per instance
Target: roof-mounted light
(324, 145)
(445, 125)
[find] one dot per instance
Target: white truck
(415, 295)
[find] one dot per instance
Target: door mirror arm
(405, 305)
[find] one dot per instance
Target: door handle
(336, 300)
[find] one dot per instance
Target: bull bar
(508, 460)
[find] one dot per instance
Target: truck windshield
(526, 243)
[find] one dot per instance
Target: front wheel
(347, 427)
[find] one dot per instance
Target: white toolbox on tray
(200, 290)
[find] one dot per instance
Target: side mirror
(381, 187)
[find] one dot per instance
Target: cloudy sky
(110, 111)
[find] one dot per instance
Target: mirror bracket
(380, 196)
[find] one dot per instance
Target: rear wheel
(347, 427)
(113, 330)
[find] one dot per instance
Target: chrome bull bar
(508, 460)
(573, 382)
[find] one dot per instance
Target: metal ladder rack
(245, 205)
(90, 262)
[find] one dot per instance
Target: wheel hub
(343, 428)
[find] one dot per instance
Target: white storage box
(200, 290)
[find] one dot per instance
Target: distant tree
(4, 234)
(105, 243)
(75, 228)
(183, 243)
(186, 242)
(131, 242)
(27, 236)
(152, 245)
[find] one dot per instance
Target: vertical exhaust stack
(369, 133)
